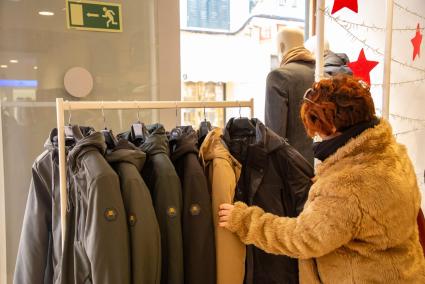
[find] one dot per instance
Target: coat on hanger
(145, 239)
(222, 171)
(276, 178)
(97, 240)
(197, 219)
(164, 185)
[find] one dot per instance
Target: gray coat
(285, 88)
(97, 239)
(40, 244)
(145, 238)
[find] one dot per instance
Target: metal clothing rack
(62, 106)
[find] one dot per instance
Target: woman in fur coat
(359, 222)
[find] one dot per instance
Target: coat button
(132, 219)
(172, 211)
(110, 214)
(195, 209)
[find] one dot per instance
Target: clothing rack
(62, 106)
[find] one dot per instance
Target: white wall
(407, 100)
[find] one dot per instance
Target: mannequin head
(310, 44)
(287, 39)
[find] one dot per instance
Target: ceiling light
(13, 61)
(3, 66)
(46, 13)
(35, 67)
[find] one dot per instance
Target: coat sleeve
(32, 259)
(325, 224)
(106, 233)
(276, 105)
(298, 174)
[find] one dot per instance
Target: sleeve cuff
(236, 218)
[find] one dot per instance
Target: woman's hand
(224, 214)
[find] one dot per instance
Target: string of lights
(408, 11)
(409, 131)
(369, 47)
(396, 84)
(403, 118)
(367, 27)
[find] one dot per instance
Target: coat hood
(336, 63)
(241, 133)
(155, 139)
(374, 139)
(126, 152)
(183, 140)
(214, 147)
(94, 141)
(51, 142)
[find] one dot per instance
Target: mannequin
(285, 88)
(335, 63)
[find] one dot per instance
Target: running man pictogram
(109, 14)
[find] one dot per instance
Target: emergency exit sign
(94, 16)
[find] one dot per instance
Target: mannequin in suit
(285, 88)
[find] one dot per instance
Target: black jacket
(164, 185)
(274, 177)
(198, 228)
(285, 88)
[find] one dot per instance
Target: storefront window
(203, 91)
(236, 47)
(36, 51)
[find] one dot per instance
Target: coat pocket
(82, 267)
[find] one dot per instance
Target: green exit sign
(94, 16)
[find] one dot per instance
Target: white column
(386, 88)
(62, 165)
(3, 247)
(320, 39)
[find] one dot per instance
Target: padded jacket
(276, 178)
(145, 239)
(197, 220)
(164, 185)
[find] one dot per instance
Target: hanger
(110, 139)
(177, 114)
(137, 129)
(205, 126)
(72, 132)
(69, 135)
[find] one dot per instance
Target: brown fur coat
(359, 222)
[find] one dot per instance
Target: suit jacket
(285, 88)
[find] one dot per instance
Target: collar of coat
(262, 137)
(214, 148)
(371, 140)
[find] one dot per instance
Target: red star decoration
(416, 41)
(362, 67)
(350, 4)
